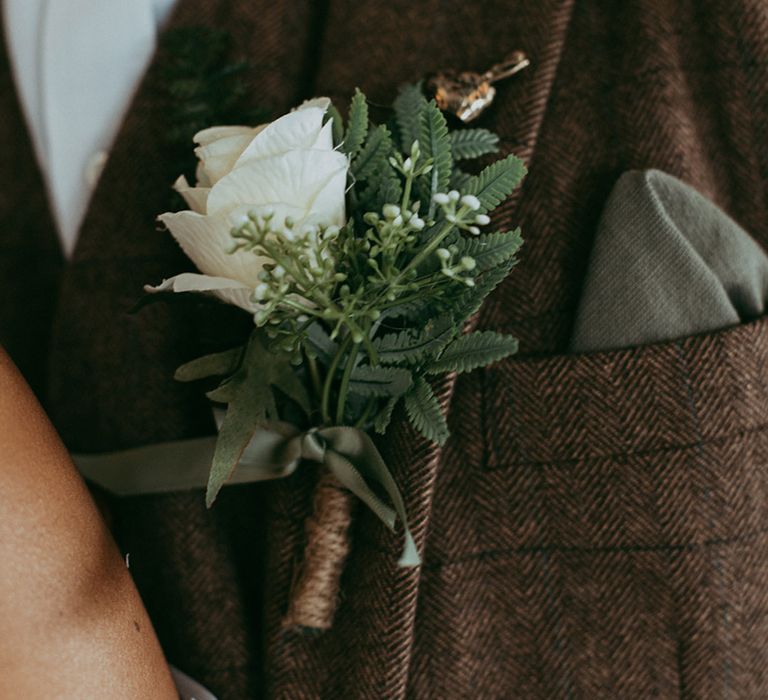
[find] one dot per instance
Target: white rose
(288, 166)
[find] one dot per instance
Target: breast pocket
(620, 527)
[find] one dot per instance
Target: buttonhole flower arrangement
(361, 251)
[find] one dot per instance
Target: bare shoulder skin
(72, 624)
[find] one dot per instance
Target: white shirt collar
(77, 64)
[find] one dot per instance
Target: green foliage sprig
(367, 312)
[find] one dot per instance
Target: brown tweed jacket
(597, 527)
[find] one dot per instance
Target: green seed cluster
(347, 277)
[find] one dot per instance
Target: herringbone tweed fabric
(596, 526)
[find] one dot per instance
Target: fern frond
(494, 184)
(374, 157)
(490, 249)
(409, 105)
(424, 412)
(474, 350)
(473, 143)
(357, 127)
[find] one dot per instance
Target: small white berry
(469, 200)
(474, 230)
(482, 219)
(390, 211)
(454, 195)
(441, 198)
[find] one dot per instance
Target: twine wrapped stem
(315, 592)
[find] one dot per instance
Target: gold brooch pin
(468, 94)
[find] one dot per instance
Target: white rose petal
(327, 207)
(206, 240)
(229, 291)
(202, 179)
(216, 133)
(324, 140)
(295, 178)
(195, 197)
(219, 157)
(322, 102)
(298, 130)
(288, 167)
(220, 146)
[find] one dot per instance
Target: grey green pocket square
(666, 263)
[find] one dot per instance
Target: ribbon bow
(275, 451)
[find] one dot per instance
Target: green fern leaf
(389, 189)
(357, 127)
(460, 180)
(474, 350)
(379, 381)
(435, 144)
(473, 143)
(411, 345)
(218, 364)
(413, 310)
(494, 184)
(424, 412)
(250, 401)
(374, 157)
(285, 378)
(382, 421)
(338, 125)
(466, 304)
(409, 105)
(383, 188)
(491, 249)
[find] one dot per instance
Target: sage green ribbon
(351, 456)
(276, 451)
